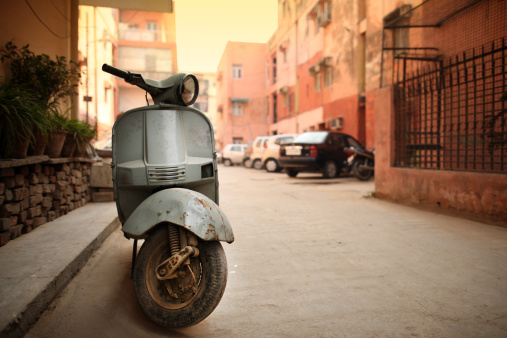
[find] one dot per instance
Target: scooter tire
(150, 291)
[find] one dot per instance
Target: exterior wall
(250, 89)
(98, 38)
(310, 50)
(472, 195)
(18, 23)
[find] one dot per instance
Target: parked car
(246, 157)
(271, 155)
(258, 146)
(318, 151)
(233, 154)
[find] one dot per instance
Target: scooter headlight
(189, 90)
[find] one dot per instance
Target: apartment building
(421, 81)
(146, 45)
(241, 101)
(97, 45)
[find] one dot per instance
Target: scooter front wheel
(187, 299)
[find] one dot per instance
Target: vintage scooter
(166, 192)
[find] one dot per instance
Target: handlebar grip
(115, 71)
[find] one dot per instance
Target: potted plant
(21, 115)
(59, 132)
(79, 135)
(84, 134)
(47, 81)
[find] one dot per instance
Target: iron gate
(451, 113)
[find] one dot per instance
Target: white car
(271, 154)
(233, 154)
(258, 146)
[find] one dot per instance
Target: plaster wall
(249, 90)
(19, 24)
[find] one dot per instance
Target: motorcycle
(361, 162)
(166, 192)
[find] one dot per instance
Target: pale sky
(203, 28)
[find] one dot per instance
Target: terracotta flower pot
(81, 148)
(55, 144)
(38, 146)
(69, 146)
(20, 149)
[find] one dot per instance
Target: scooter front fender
(187, 208)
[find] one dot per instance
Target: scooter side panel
(186, 208)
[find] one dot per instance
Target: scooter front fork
(178, 237)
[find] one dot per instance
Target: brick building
(422, 81)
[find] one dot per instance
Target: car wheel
(271, 165)
(330, 170)
(257, 164)
(227, 162)
(292, 172)
(247, 163)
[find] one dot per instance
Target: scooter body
(155, 150)
(166, 192)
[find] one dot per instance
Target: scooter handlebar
(115, 71)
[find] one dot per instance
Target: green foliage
(49, 80)
(80, 130)
(30, 100)
(21, 114)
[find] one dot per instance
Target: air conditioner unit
(336, 123)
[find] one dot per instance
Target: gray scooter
(166, 192)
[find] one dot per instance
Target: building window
(275, 112)
(237, 72)
(237, 140)
(274, 70)
(237, 108)
(267, 74)
(153, 28)
(317, 81)
(328, 77)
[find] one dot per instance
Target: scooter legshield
(187, 208)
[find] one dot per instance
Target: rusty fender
(186, 208)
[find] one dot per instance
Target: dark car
(318, 151)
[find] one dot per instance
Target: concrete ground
(314, 258)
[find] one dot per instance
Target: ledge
(10, 163)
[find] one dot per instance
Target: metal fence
(450, 114)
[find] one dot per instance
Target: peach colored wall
(473, 195)
(18, 23)
(252, 85)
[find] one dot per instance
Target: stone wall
(37, 190)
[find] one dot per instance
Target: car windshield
(313, 137)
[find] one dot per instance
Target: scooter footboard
(187, 208)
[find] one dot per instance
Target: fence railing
(451, 114)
